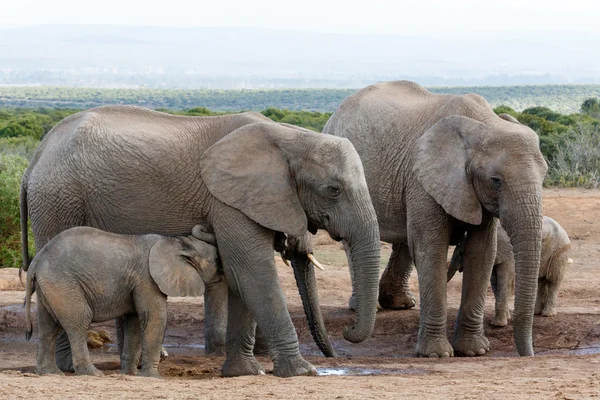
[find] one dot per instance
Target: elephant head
(182, 266)
(471, 168)
(292, 180)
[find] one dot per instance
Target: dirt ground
(566, 366)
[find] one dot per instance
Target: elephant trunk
(304, 273)
(365, 258)
(523, 223)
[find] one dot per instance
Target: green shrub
(22, 146)
(577, 160)
(12, 167)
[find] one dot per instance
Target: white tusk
(315, 262)
(570, 261)
(285, 261)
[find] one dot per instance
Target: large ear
(441, 156)
(170, 270)
(248, 170)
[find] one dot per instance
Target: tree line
(560, 98)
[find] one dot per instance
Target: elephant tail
(29, 290)
(24, 230)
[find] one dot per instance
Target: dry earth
(567, 365)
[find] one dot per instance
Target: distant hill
(562, 98)
(160, 57)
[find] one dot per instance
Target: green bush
(577, 160)
(12, 167)
(22, 146)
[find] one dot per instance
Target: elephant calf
(555, 247)
(86, 275)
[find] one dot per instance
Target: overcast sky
(395, 17)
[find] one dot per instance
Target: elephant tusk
(315, 262)
(285, 261)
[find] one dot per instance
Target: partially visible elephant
(104, 276)
(555, 257)
(131, 170)
(438, 166)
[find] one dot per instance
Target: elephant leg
(261, 348)
(502, 277)
(246, 250)
(540, 299)
(48, 330)
(478, 261)
(555, 274)
(77, 332)
(430, 259)
(130, 346)
(394, 291)
(152, 315)
(240, 340)
(215, 318)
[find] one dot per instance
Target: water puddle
(581, 351)
(360, 371)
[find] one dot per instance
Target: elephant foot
(285, 367)
(471, 346)
(397, 301)
(501, 319)
(241, 365)
(49, 371)
(151, 373)
(548, 312)
(434, 348)
(89, 370)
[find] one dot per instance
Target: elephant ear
(170, 270)
(249, 170)
(440, 156)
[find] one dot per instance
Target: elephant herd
(394, 163)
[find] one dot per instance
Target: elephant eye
(334, 191)
(497, 183)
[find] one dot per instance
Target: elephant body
(131, 170)
(554, 259)
(438, 166)
(86, 275)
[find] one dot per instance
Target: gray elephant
(438, 166)
(554, 259)
(86, 275)
(131, 170)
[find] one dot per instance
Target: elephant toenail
(433, 355)
(481, 352)
(261, 372)
(445, 355)
(302, 371)
(470, 353)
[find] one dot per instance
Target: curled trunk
(365, 257)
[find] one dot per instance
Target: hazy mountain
(102, 55)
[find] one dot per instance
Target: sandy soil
(567, 365)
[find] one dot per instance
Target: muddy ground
(567, 365)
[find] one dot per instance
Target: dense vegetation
(570, 143)
(561, 98)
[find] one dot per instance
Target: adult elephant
(438, 166)
(131, 170)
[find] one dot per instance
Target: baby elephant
(86, 275)
(555, 247)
